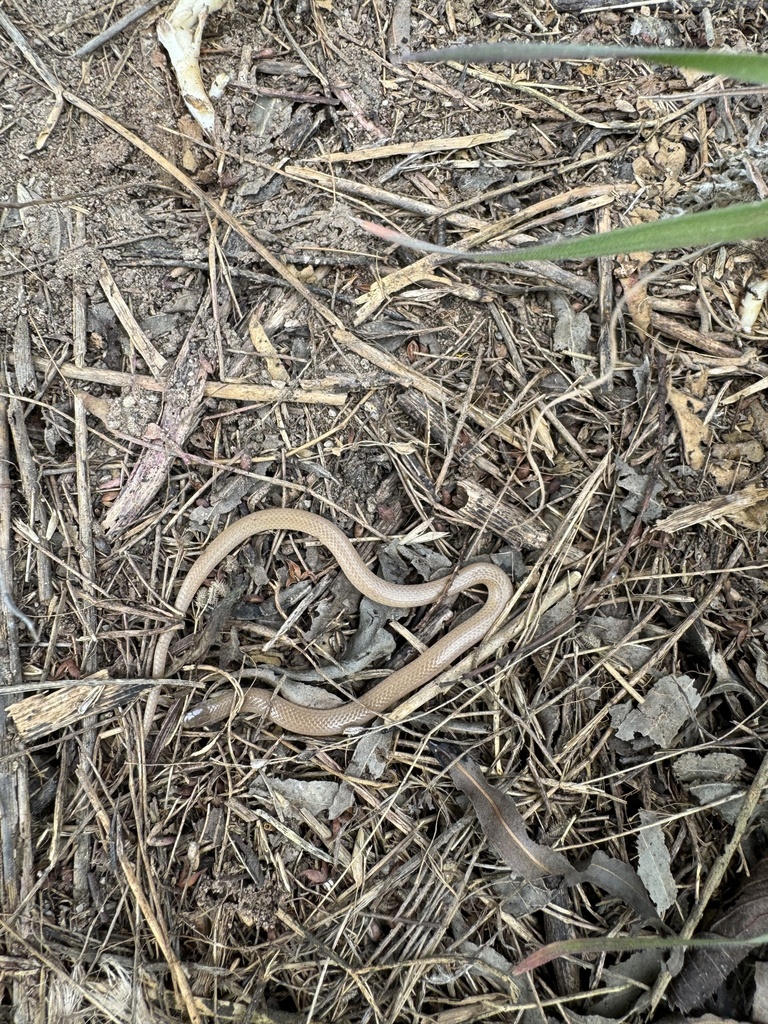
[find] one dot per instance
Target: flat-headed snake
(332, 721)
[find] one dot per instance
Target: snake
(390, 691)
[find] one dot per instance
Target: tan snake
(332, 721)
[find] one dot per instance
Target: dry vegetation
(193, 331)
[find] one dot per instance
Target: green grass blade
(744, 67)
(735, 223)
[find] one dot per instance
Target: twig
(116, 28)
(213, 389)
(312, 68)
(9, 611)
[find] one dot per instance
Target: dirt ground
(194, 328)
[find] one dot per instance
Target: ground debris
(199, 325)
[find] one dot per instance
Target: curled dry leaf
(505, 830)
(181, 34)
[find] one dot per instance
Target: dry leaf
(572, 331)
(694, 433)
(653, 863)
(617, 878)
(264, 347)
(313, 795)
(636, 484)
(707, 968)
(628, 979)
(670, 703)
(501, 822)
(716, 767)
(504, 828)
(712, 778)
(609, 632)
(630, 270)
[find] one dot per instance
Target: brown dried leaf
(502, 823)
(505, 831)
(707, 968)
(694, 433)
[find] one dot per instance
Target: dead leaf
(505, 830)
(313, 795)
(630, 271)
(617, 878)
(653, 862)
(609, 632)
(694, 433)
(572, 331)
(706, 968)
(636, 484)
(716, 767)
(625, 982)
(712, 778)
(501, 822)
(263, 346)
(669, 704)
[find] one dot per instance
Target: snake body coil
(392, 690)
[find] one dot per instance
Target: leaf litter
(600, 428)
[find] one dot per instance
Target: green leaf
(745, 67)
(735, 223)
